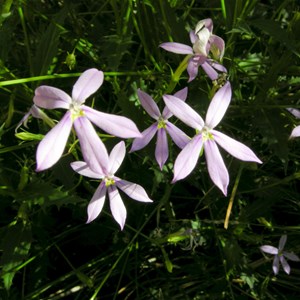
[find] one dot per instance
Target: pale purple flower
(204, 43)
(109, 184)
(296, 130)
(52, 146)
(280, 255)
(162, 126)
(208, 138)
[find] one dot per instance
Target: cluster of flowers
(207, 51)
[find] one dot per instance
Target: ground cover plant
(149, 149)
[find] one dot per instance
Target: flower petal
(235, 148)
(116, 157)
(51, 97)
(177, 48)
(216, 167)
(133, 190)
(209, 71)
(218, 105)
(52, 146)
(161, 149)
(147, 135)
(193, 36)
(217, 66)
(295, 112)
(149, 104)
(269, 249)
(275, 265)
(112, 124)
(217, 46)
(82, 168)
(285, 265)
(182, 95)
(184, 112)
(205, 23)
(291, 256)
(87, 84)
(117, 206)
(177, 135)
(187, 158)
(282, 242)
(295, 132)
(201, 44)
(96, 204)
(192, 68)
(93, 150)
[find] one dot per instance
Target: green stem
(176, 76)
(56, 76)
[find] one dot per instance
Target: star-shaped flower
(208, 138)
(162, 126)
(109, 184)
(52, 146)
(204, 43)
(280, 255)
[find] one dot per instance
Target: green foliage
(177, 247)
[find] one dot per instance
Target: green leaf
(15, 247)
(273, 29)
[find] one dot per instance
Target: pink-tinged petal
(184, 112)
(93, 150)
(282, 242)
(209, 71)
(205, 23)
(275, 265)
(217, 66)
(192, 69)
(82, 168)
(285, 265)
(177, 135)
(96, 204)
(216, 167)
(86, 85)
(291, 256)
(187, 159)
(51, 97)
(147, 135)
(295, 112)
(218, 105)
(161, 149)
(295, 132)
(148, 104)
(182, 95)
(177, 48)
(115, 125)
(217, 46)
(133, 190)
(52, 146)
(117, 206)
(269, 249)
(116, 157)
(193, 36)
(235, 148)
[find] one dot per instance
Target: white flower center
(206, 134)
(76, 111)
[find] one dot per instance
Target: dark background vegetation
(177, 247)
